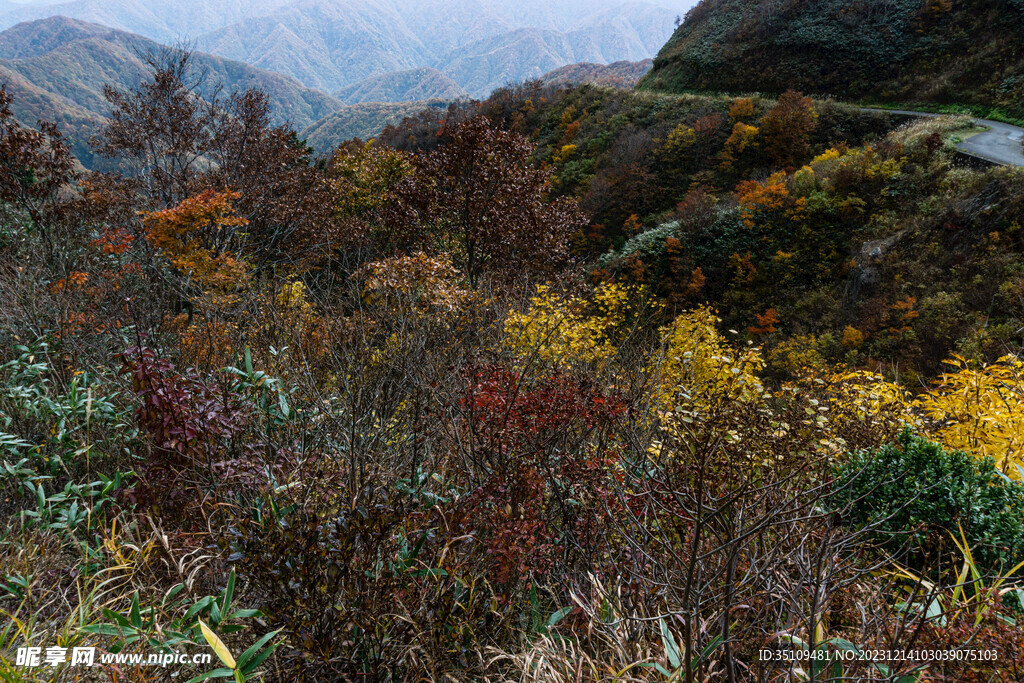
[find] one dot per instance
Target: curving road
(1001, 144)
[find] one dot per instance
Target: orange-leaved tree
(769, 202)
(201, 238)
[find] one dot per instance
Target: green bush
(914, 493)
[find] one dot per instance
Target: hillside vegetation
(569, 385)
(364, 121)
(851, 243)
(933, 52)
(621, 74)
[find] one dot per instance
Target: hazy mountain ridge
(330, 46)
(461, 20)
(322, 44)
(163, 20)
(425, 83)
(64, 64)
(333, 44)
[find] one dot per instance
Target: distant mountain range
(414, 85)
(332, 45)
(329, 46)
(163, 20)
(56, 69)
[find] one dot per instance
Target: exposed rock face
(865, 274)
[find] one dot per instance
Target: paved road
(1001, 143)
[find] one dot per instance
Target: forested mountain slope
(914, 51)
(622, 74)
(364, 120)
(402, 86)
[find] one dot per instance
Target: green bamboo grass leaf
(245, 656)
(557, 616)
(672, 652)
(216, 673)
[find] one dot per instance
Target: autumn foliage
(480, 197)
(572, 384)
(196, 236)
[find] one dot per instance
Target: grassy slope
(896, 51)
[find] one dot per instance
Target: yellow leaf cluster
(364, 179)
(563, 154)
(699, 364)
(743, 137)
(292, 295)
(797, 355)
(288, 320)
(867, 396)
(680, 139)
(862, 162)
(563, 330)
(981, 411)
(841, 404)
(827, 155)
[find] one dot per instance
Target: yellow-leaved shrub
(981, 410)
(698, 364)
(563, 330)
(860, 404)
